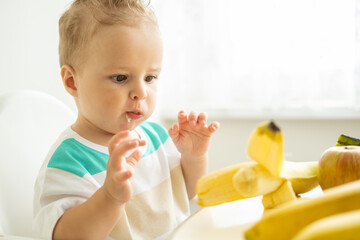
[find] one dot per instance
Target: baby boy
(112, 174)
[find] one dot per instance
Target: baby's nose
(138, 92)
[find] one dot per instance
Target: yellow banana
(265, 146)
(285, 221)
(283, 194)
(344, 226)
(217, 187)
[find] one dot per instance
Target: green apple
(339, 165)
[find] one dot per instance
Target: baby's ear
(68, 76)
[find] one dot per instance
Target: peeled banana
(344, 226)
(265, 146)
(285, 221)
(217, 187)
(250, 179)
(259, 177)
(255, 180)
(283, 194)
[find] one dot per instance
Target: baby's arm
(95, 218)
(192, 138)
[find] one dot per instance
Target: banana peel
(302, 175)
(265, 146)
(254, 180)
(283, 194)
(217, 187)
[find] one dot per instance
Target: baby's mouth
(130, 116)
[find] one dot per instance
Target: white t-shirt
(75, 168)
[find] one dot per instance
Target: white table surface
(8, 237)
(225, 221)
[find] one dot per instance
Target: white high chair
(30, 121)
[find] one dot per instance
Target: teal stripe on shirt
(75, 157)
(156, 134)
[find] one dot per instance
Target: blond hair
(81, 21)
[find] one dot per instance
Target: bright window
(261, 58)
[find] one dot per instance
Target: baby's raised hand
(192, 134)
(120, 170)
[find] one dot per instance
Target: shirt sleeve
(56, 191)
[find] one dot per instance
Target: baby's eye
(119, 78)
(149, 78)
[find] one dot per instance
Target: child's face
(116, 86)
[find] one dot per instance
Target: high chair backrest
(30, 121)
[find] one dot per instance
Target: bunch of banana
(310, 218)
(269, 175)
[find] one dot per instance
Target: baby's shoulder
(75, 157)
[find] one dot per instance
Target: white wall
(28, 46)
(29, 60)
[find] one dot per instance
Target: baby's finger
(134, 158)
(192, 118)
(115, 140)
(202, 118)
(213, 126)
(173, 131)
(120, 151)
(182, 118)
(123, 176)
